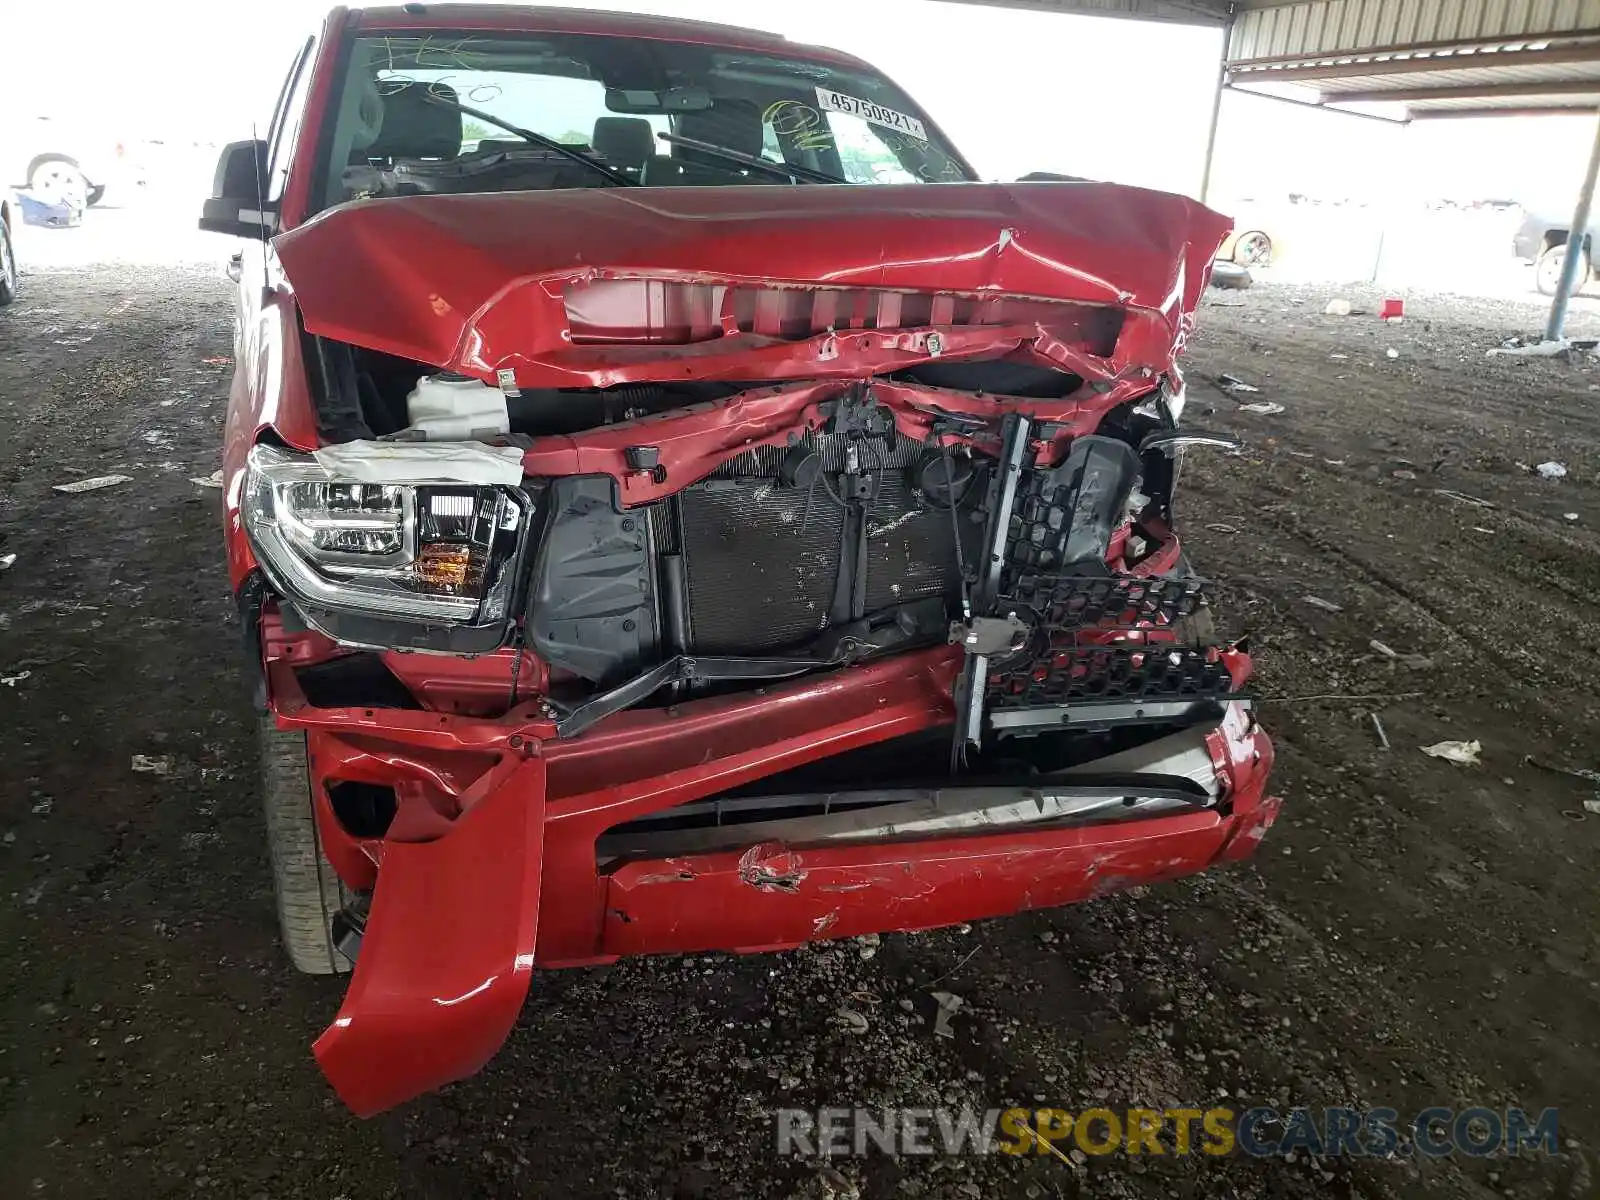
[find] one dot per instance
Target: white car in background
(62, 161)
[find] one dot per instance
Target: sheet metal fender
(447, 956)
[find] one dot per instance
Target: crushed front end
(807, 609)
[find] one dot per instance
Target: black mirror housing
(236, 207)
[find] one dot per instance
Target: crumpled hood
(475, 283)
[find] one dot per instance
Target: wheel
(1253, 249)
(97, 193)
(59, 179)
(308, 891)
(8, 267)
(1547, 270)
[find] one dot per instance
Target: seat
(626, 143)
(415, 126)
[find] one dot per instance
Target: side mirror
(235, 207)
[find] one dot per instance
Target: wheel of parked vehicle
(96, 194)
(308, 891)
(8, 267)
(58, 179)
(1253, 249)
(1547, 270)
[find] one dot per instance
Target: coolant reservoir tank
(456, 408)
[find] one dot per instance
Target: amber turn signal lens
(443, 569)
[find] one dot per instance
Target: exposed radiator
(762, 558)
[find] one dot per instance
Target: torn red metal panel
(475, 283)
(447, 954)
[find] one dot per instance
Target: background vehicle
(65, 160)
(1542, 239)
(10, 221)
(638, 403)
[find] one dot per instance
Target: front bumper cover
(463, 908)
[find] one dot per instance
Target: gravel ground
(1412, 933)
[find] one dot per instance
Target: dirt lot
(1412, 933)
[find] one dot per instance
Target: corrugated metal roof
(1316, 27)
(1192, 12)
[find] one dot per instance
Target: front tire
(1253, 249)
(8, 267)
(59, 180)
(1547, 270)
(308, 891)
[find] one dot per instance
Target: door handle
(236, 266)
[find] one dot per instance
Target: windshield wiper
(782, 170)
(537, 139)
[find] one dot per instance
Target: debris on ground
(1592, 806)
(1221, 527)
(1337, 308)
(1339, 357)
(1391, 308)
(1391, 352)
(152, 765)
(1402, 473)
(7, 561)
(218, 360)
(1229, 275)
(1232, 383)
(949, 1004)
(1462, 753)
(1574, 772)
(1569, 516)
(11, 681)
(1463, 498)
(213, 480)
(1324, 605)
(1383, 737)
(1265, 407)
(1382, 649)
(851, 1021)
(1516, 347)
(867, 945)
(92, 485)
(1552, 470)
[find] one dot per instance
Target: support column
(1577, 232)
(1216, 115)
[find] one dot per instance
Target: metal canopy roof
(1438, 58)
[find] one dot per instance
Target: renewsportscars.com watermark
(1257, 1132)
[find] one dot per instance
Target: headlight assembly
(427, 553)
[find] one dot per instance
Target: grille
(1082, 673)
(1075, 602)
(1081, 652)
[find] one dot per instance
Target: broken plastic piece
(949, 1004)
(1265, 407)
(1337, 308)
(91, 485)
(1324, 605)
(1551, 470)
(1463, 753)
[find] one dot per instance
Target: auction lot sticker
(877, 114)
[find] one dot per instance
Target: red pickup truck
(674, 506)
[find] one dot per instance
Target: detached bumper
(459, 920)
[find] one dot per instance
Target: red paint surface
(463, 913)
(478, 283)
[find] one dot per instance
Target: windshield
(473, 113)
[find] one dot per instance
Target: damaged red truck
(673, 506)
